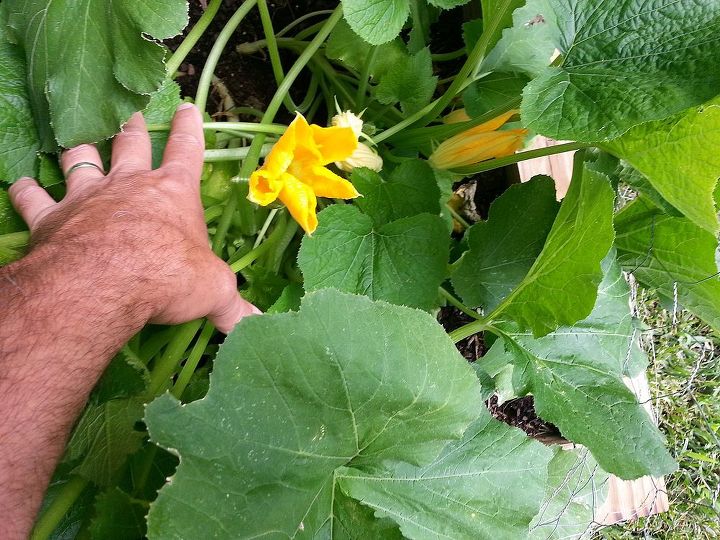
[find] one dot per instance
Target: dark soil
(520, 413)
(515, 412)
(471, 348)
(249, 78)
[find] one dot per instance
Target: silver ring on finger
(82, 165)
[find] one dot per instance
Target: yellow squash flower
(458, 115)
(478, 144)
(295, 172)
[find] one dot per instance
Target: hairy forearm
(61, 321)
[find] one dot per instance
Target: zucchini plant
(346, 411)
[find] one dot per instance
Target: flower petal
(334, 143)
(282, 153)
(326, 183)
(467, 149)
(490, 125)
(264, 187)
(306, 150)
(300, 201)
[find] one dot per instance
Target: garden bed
(370, 177)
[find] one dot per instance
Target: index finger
(186, 143)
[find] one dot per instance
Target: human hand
(138, 233)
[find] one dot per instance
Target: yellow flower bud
(363, 156)
(349, 119)
(478, 144)
(458, 115)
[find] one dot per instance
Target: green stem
(274, 257)
(253, 156)
(233, 154)
(173, 64)
(15, 240)
(458, 304)
(473, 60)
(251, 47)
(306, 103)
(193, 360)
(250, 257)
(332, 76)
(209, 69)
(410, 120)
(310, 30)
(469, 329)
(141, 473)
(417, 20)
(520, 156)
(60, 505)
(258, 251)
(302, 19)
(265, 227)
(274, 52)
(364, 78)
(445, 57)
(13, 245)
(461, 220)
(168, 362)
(251, 127)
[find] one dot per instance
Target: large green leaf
(403, 262)
(671, 255)
(411, 189)
(160, 110)
(576, 488)
(493, 91)
(502, 249)
(528, 45)
(18, 136)
(623, 63)
(118, 516)
(494, 8)
(376, 21)
(402, 77)
(410, 82)
(298, 399)
(91, 64)
(10, 221)
(104, 437)
(485, 486)
(576, 376)
(680, 158)
(352, 51)
(106, 433)
(561, 286)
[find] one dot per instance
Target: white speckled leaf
(344, 383)
(624, 62)
(18, 137)
(486, 486)
(670, 254)
(576, 376)
(561, 286)
(680, 158)
(91, 63)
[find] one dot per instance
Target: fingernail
(184, 106)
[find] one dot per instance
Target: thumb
(230, 312)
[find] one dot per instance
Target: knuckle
(22, 192)
(133, 133)
(77, 150)
(185, 139)
(227, 282)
